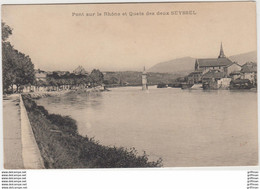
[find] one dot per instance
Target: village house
(194, 77)
(210, 79)
(40, 75)
(249, 71)
(232, 68)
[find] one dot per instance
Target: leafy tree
(18, 68)
(24, 70)
(8, 66)
(51, 80)
(6, 31)
(71, 79)
(97, 77)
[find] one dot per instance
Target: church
(222, 64)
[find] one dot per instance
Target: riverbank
(37, 95)
(62, 147)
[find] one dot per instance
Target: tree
(8, 66)
(18, 68)
(97, 77)
(6, 31)
(51, 80)
(24, 70)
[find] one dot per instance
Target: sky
(56, 39)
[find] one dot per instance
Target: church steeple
(221, 53)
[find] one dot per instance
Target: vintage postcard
(129, 85)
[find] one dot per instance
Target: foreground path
(12, 133)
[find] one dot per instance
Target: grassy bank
(62, 147)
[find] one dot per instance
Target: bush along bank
(62, 147)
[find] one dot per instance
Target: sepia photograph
(129, 85)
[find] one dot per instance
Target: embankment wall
(30, 152)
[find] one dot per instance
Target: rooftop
(195, 73)
(249, 67)
(213, 62)
(79, 71)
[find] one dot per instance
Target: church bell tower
(221, 53)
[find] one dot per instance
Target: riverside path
(12, 133)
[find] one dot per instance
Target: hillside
(186, 64)
(244, 57)
(132, 78)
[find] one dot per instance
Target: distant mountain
(244, 57)
(186, 64)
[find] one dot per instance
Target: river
(183, 127)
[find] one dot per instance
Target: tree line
(17, 68)
(93, 79)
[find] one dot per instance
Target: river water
(183, 127)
